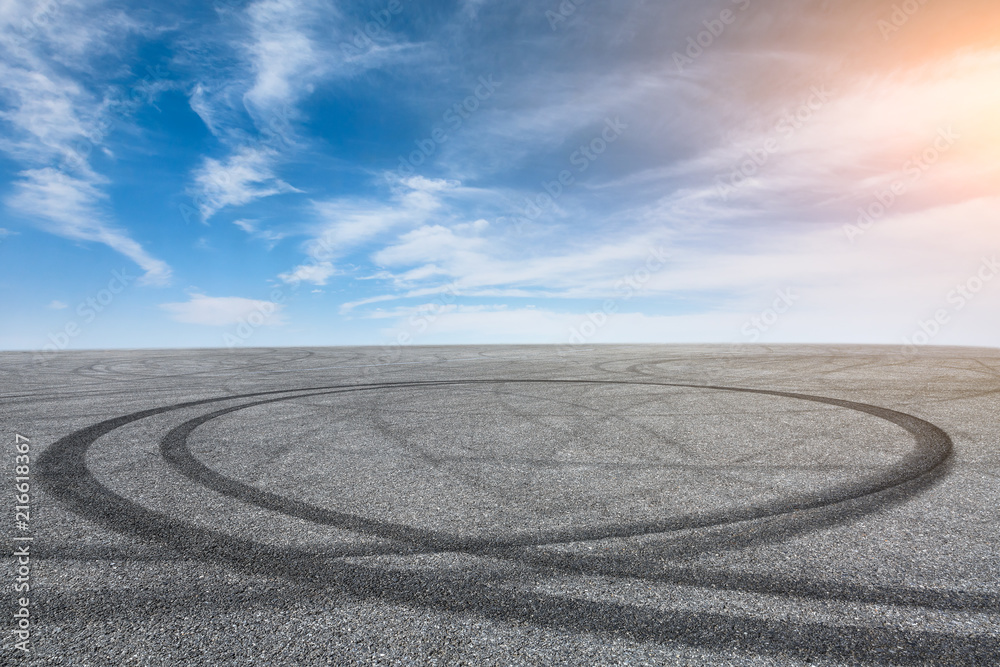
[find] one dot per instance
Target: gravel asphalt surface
(609, 505)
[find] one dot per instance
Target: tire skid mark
(65, 476)
(933, 448)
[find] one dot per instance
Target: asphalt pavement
(600, 505)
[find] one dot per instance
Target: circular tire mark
(66, 476)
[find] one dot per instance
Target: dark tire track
(64, 475)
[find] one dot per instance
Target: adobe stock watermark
(423, 319)
(582, 158)
(363, 38)
(254, 320)
(455, 117)
(958, 298)
(87, 310)
(787, 126)
(714, 29)
(627, 287)
(22, 540)
(899, 17)
(562, 12)
(756, 326)
(39, 20)
(915, 167)
(405, 335)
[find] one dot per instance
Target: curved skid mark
(64, 475)
(64, 462)
(933, 447)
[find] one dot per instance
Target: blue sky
(306, 172)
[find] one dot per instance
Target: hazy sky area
(309, 172)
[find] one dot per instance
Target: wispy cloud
(252, 228)
(218, 311)
(451, 324)
(242, 178)
(462, 150)
(862, 135)
(345, 224)
(278, 64)
(285, 49)
(284, 57)
(315, 274)
(476, 260)
(74, 208)
(55, 121)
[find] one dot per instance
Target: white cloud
(202, 104)
(284, 59)
(245, 176)
(223, 311)
(876, 289)
(475, 263)
(485, 325)
(429, 244)
(316, 274)
(432, 309)
(72, 208)
(544, 111)
(55, 122)
(345, 224)
(853, 138)
(58, 305)
(280, 63)
(284, 49)
(251, 227)
(51, 115)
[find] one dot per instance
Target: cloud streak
(215, 311)
(243, 177)
(55, 122)
(73, 208)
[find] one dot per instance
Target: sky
(574, 172)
